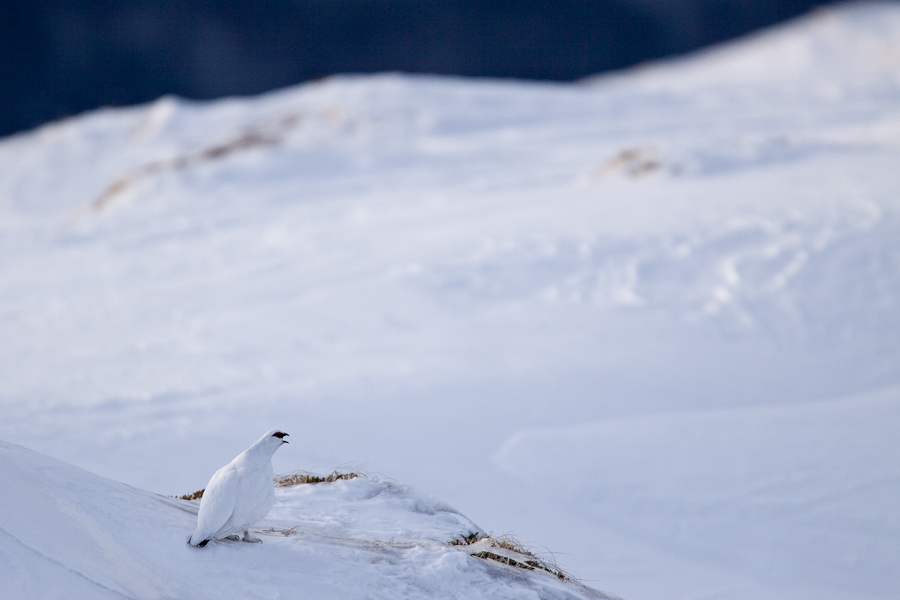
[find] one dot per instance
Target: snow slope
(651, 320)
(70, 534)
(814, 484)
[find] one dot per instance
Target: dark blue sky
(60, 57)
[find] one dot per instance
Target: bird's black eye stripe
(279, 435)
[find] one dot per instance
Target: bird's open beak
(284, 440)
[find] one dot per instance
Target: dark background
(60, 57)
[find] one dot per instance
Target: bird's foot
(233, 537)
(248, 538)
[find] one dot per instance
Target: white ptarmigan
(240, 493)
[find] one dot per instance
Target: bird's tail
(199, 543)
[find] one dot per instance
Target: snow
(70, 534)
(814, 484)
(650, 321)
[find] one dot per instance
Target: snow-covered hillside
(70, 534)
(650, 321)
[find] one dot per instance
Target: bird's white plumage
(240, 493)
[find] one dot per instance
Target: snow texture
(650, 320)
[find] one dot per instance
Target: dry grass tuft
(467, 540)
(638, 162)
(298, 478)
(302, 477)
(526, 559)
(246, 140)
(195, 496)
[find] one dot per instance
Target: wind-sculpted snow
(408, 271)
(776, 275)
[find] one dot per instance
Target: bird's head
(271, 441)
